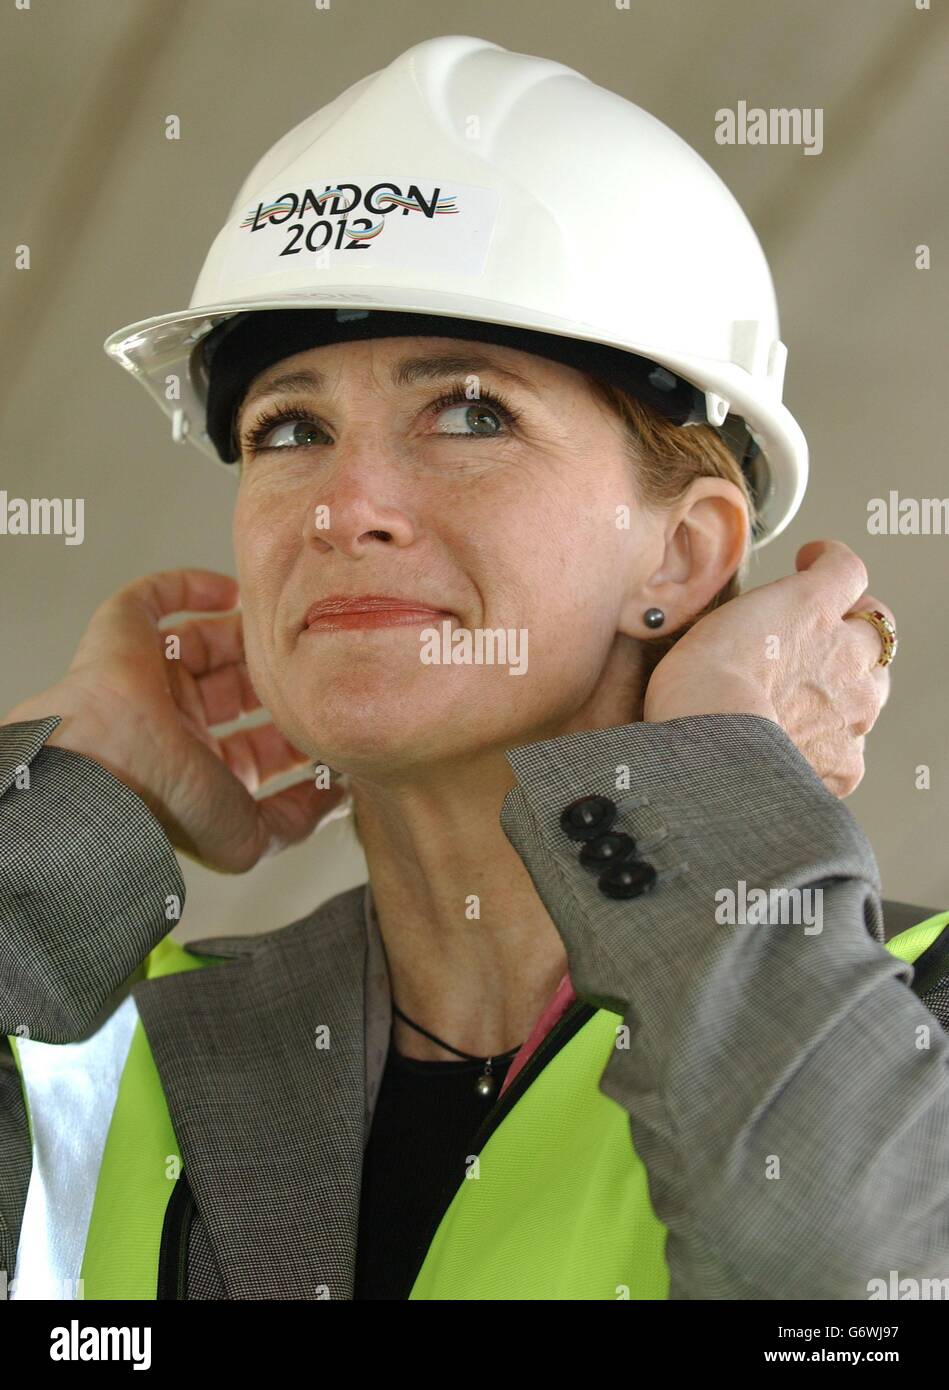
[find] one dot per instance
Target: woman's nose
(349, 511)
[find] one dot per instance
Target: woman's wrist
(706, 697)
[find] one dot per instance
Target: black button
(588, 817)
(627, 880)
(608, 849)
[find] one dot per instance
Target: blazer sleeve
(87, 878)
(787, 1091)
(89, 884)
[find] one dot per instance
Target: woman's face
(368, 485)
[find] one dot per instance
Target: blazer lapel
(262, 1060)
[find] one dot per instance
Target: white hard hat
(465, 181)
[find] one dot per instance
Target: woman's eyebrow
(431, 368)
(407, 372)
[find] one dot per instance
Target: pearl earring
(654, 617)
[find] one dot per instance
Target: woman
(429, 1089)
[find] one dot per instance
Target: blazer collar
(271, 1064)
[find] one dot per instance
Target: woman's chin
(375, 732)
(372, 731)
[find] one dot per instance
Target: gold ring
(886, 630)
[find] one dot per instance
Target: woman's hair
(666, 460)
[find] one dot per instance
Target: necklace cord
(467, 1056)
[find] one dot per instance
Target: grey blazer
(746, 1041)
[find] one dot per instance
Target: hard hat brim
(160, 352)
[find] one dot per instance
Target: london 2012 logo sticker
(412, 223)
(336, 209)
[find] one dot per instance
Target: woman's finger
(207, 644)
(867, 707)
(866, 634)
(868, 602)
(258, 754)
(123, 628)
(838, 572)
(290, 815)
(182, 591)
(839, 762)
(227, 694)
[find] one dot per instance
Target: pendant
(485, 1084)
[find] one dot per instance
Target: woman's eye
(478, 417)
(294, 429)
(296, 434)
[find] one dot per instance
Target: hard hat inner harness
(240, 347)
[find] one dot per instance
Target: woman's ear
(701, 541)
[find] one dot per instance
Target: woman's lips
(370, 612)
(377, 617)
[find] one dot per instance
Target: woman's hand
(146, 717)
(784, 651)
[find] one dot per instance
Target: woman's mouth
(340, 612)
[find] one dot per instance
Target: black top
(426, 1115)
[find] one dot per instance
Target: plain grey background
(118, 220)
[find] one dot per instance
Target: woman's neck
(473, 955)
